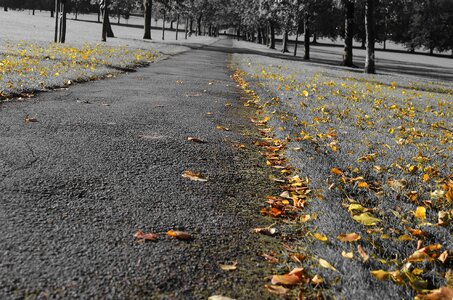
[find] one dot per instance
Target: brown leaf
(349, 237)
(292, 278)
(219, 127)
(362, 253)
(219, 297)
(348, 255)
(196, 140)
(276, 289)
(180, 235)
(29, 119)
(317, 280)
(194, 176)
(266, 231)
(270, 258)
(145, 236)
(444, 293)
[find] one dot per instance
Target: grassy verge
(29, 67)
(364, 167)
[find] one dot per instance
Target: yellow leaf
(348, 237)
(305, 93)
(366, 219)
(321, 237)
(420, 213)
(349, 255)
(425, 177)
(228, 267)
(381, 274)
(363, 185)
(325, 264)
(443, 257)
(180, 235)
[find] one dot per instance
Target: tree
(147, 5)
(349, 7)
(370, 36)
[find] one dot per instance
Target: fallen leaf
(180, 235)
(320, 237)
(443, 257)
(363, 185)
(194, 176)
(317, 280)
(29, 119)
(325, 264)
(145, 236)
(420, 213)
(292, 278)
(195, 140)
(366, 219)
(362, 253)
(276, 289)
(266, 231)
(228, 267)
(444, 293)
(336, 171)
(348, 255)
(270, 258)
(349, 237)
(219, 297)
(381, 274)
(219, 127)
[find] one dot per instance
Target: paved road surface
(105, 160)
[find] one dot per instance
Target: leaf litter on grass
(387, 166)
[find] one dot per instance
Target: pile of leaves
(375, 205)
(28, 67)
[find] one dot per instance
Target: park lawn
(29, 67)
(365, 174)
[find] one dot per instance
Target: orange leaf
(292, 278)
(276, 289)
(444, 293)
(336, 171)
(194, 176)
(348, 237)
(145, 236)
(180, 235)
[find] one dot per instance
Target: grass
(29, 67)
(375, 155)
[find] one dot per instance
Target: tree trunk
(33, 12)
(187, 28)
(105, 18)
(177, 26)
(349, 33)
(199, 24)
(260, 38)
(5, 8)
(385, 44)
(148, 5)
(99, 15)
(272, 33)
(315, 38)
(163, 25)
(57, 15)
(431, 50)
(52, 12)
(238, 34)
(370, 37)
(191, 27)
(118, 15)
(306, 35)
(296, 44)
(285, 40)
(76, 12)
(171, 24)
(63, 24)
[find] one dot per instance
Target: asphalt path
(105, 159)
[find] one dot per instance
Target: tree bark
(199, 24)
(272, 35)
(349, 33)
(187, 28)
(296, 44)
(148, 5)
(370, 25)
(177, 26)
(63, 23)
(57, 15)
(163, 25)
(285, 40)
(306, 35)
